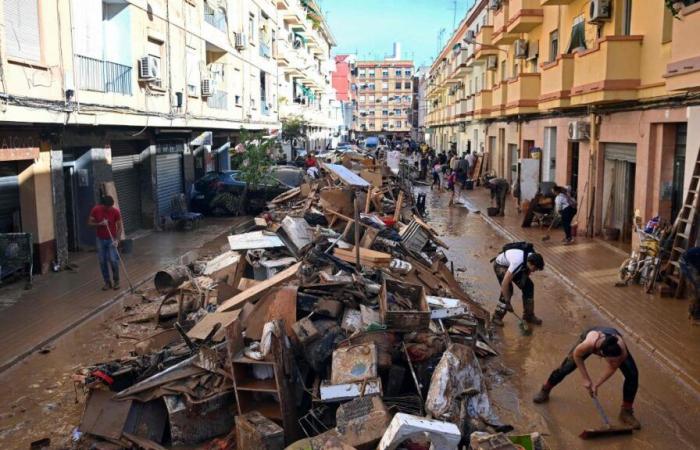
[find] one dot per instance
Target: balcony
(282, 51)
(555, 2)
(683, 71)
(482, 104)
(499, 98)
(501, 36)
(484, 46)
(524, 16)
(459, 65)
(523, 94)
(103, 76)
(557, 78)
(598, 75)
(218, 100)
(466, 108)
(294, 13)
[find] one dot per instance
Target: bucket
(469, 185)
(574, 230)
(491, 211)
(127, 246)
(611, 234)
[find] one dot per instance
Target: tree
(293, 128)
(253, 157)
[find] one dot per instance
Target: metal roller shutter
(168, 181)
(9, 201)
(621, 152)
(127, 181)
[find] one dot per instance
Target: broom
(525, 329)
(608, 429)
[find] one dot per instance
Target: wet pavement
(61, 301)
(667, 408)
(590, 266)
(37, 397)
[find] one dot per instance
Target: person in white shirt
(565, 206)
(514, 265)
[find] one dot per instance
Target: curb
(686, 379)
(6, 365)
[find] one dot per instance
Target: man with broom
(608, 344)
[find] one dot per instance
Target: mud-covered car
(221, 193)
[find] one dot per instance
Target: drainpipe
(592, 176)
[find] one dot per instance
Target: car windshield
(288, 177)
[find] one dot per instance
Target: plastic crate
(16, 255)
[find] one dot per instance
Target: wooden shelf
(257, 385)
(242, 359)
(267, 407)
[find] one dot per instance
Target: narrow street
(668, 410)
(39, 399)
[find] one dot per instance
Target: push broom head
(605, 432)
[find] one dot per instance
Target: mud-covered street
(39, 400)
(668, 410)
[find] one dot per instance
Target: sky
(368, 28)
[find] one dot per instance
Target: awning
(301, 37)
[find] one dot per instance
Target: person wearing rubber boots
(608, 344)
(514, 265)
(499, 190)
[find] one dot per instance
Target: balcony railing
(103, 76)
(218, 100)
(683, 70)
(264, 50)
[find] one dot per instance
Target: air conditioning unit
(207, 87)
(492, 63)
(520, 48)
(471, 36)
(494, 4)
(579, 130)
(149, 68)
(599, 10)
(241, 41)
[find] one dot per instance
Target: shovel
(608, 430)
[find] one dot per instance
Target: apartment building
(384, 98)
(602, 92)
(141, 95)
(419, 105)
(306, 67)
(342, 83)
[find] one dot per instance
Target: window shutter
(22, 29)
(192, 71)
(87, 24)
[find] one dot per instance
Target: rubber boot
(529, 313)
(627, 417)
(498, 315)
(542, 396)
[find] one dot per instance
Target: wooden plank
(346, 176)
(259, 290)
(399, 204)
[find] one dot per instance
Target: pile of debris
(332, 321)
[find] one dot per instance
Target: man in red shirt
(311, 161)
(107, 221)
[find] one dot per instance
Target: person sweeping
(514, 265)
(608, 344)
(565, 206)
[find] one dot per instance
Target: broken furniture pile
(330, 321)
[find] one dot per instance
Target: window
(578, 35)
(398, 85)
(371, 98)
(362, 98)
(371, 86)
(385, 125)
(155, 49)
(553, 45)
(398, 73)
(407, 72)
(503, 70)
(215, 17)
(362, 72)
(398, 124)
(22, 38)
(385, 112)
(371, 73)
(192, 63)
(397, 112)
(407, 85)
(385, 86)
(385, 73)
(626, 17)
(385, 99)
(251, 29)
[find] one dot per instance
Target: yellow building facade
(602, 91)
